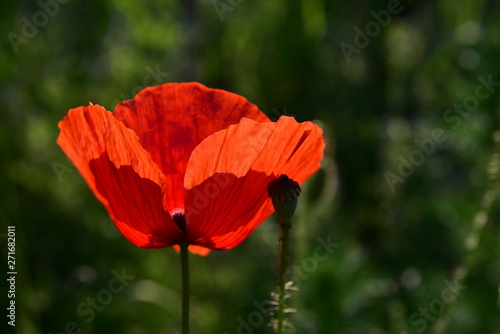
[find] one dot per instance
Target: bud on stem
(284, 192)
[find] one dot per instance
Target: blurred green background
(381, 77)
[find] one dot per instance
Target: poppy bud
(284, 191)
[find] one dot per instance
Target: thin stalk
(284, 239)
(185, 287)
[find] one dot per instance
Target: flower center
(179, 219)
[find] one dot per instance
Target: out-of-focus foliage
(382, 99)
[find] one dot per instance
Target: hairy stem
(284, 239)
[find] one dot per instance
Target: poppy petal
(222, 215)
(120, 173)
(172, 119)
(228, 173)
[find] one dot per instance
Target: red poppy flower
(186, 163)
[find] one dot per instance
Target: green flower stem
(284, 239)
(185, 287)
